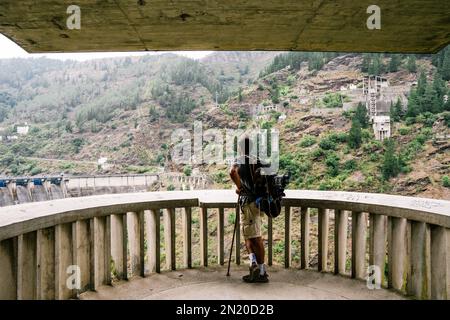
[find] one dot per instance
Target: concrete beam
(406, 26)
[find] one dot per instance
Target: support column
(439, 263)
(420, 286)
(63, 259)
(154, 241)
(305, 219)
(377, 252)
(26, 266)
(204, 236)
(8, 269)
(287, 237)
(132, 226)
(187, 237)
(359, 226)
(397, 254)
(81, 253)
(99, 257)
(323, 239)
(46, 264)
(169, 238)
(340, 241)
(118, 246)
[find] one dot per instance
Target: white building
(265, 109)
(103, 163)
(23, 129)
(382, 127)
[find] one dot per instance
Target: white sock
(262, 269)
(252, 258)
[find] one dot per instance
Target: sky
(9, 49)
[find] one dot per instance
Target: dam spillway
(19, 190)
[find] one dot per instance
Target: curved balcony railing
(118, 236)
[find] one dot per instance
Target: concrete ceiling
(307, 25)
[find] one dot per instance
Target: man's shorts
(251, 221)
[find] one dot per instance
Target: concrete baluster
(305, 220)
(323, 239)
(340, 241)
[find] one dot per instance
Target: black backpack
(270, 193)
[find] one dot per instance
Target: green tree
(411, 64)
(354, 136)
(421, 84)
(396, 111)
(361, 115)
(430, 102)
(391, 165)
(441, 90)
(365, 62)
(445, 68)
(394, 63)
(413, 104)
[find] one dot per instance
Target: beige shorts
(251, 221)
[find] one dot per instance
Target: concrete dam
(34, 189)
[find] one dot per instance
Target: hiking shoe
(262, 278)
(254, 273)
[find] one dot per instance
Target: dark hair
(245, 145)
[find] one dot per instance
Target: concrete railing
(102, 237)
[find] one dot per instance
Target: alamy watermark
(73, 22)
(221, 146)
(373, 280)
(73, 281)
(374, 20)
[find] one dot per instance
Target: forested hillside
(125, 109)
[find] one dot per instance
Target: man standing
(245, 173)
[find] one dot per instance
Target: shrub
(421, 138)
(77, 143)
(219, 177)
(307, 141)
(332, 100)
(350, 165)
(327, 143)
(35, 171)
(446, 181)
(317, 153)
(374, 157)
(332, 163)
(410, 120)
(447, 118)
(404, 131)
(187, 171)
(339, 137)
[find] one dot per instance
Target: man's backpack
(270, 192)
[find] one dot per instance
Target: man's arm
(234, 175)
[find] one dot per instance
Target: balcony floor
(211, 283)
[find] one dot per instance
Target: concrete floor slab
(212, 284)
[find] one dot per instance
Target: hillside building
(23, 129)
(382, 127)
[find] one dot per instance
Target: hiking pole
(234, 232)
